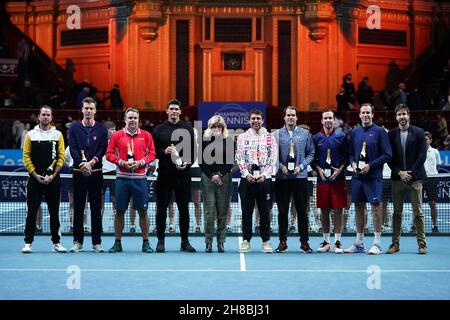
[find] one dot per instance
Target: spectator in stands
(87, 140)
(24, 133)
(43, 157)
(7, 98)
(116, 99)
(409, 152)
(349, 88)
(431, 165)
(176, 155)
(29, 97)
(330, 162)
(425, 122)
(415, 101)
(400, 96)
(369, 150)
(385, 99)
(59, 100)
(23, 55)
(17, 129)
(343, 104)
(217, 159)
(441, 130)
(84, 93)
(365, 92)
(444, 103)
(256, 155)
(131, 149)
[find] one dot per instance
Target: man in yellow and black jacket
(43, 157)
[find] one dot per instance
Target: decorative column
(207, 69)
(318, 14)
(259, 71)
(149, 15)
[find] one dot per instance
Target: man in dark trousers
(88, 140)
(174, 144)
(43, 157)
(409, 152)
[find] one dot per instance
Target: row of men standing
(256, 154)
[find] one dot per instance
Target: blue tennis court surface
(176, 275)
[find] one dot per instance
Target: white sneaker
(57, 247)
(27, 248)
(375, 249)
(324, 247)
(97, 248)
(338, 247)
(267, 247)
(77, 247)
(245, 246)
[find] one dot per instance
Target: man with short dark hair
(409, 152)
(174, 141)
(330, 163)
(88, 140)
(256, 155)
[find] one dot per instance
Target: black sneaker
(305, 248)
(208, 248)
(435, 229)
(146, 247)
(186, 247)
(282, 246)
(117, 247)
(160, 246)
(220, 247)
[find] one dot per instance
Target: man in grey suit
(409, 152)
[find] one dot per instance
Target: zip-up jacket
(93, 140)
(41, 148)
(142, 147)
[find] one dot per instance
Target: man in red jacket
(131, 149)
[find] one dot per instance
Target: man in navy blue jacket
(369, 151)
(409, 152)
(88, 140)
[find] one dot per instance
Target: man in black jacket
(409, 152)
(174, 144)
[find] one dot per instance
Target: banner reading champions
(235, 113)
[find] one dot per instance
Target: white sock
(360, 237)
(337, 237)
(326, 237)
(377, 238)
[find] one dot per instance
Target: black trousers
(82, 186)
(181, 185)
(284, 188)
(51, 194)
(262, 194)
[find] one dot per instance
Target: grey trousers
(216, 201)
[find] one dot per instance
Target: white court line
(224, 270)
(241, 256)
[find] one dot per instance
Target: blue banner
(11, 157)
(445, 158)
(234, 113)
